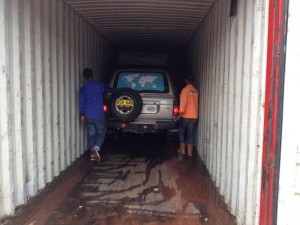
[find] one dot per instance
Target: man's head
(88, 73)
(189, 80)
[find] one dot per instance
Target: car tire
(125, 105)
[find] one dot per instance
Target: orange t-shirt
(189, 102)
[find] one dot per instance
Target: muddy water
(140, 180)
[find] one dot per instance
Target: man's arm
(82, 105)
(183, 101)
(182, 105)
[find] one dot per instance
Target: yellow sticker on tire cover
(125, 102)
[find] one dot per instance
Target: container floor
(140, 180)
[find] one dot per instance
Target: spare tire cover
(125, 104)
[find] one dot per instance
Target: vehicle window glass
(142, 81)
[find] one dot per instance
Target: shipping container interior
(45, 45)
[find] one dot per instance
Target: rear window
(143, 81)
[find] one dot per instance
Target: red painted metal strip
(264, 186)
(272, 122)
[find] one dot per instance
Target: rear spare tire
(125, 105)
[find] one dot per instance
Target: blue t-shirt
(91, 99)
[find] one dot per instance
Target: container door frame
(277, 31)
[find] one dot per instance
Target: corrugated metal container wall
(227, 57)
(289, 183)
(44, 47)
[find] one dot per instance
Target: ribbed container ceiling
(142, 24)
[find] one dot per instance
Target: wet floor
(140, 181)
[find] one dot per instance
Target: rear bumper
(133, 127)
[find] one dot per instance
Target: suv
(144, 101)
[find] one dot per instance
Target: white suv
(144, 102)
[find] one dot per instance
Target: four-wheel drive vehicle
(144, 101)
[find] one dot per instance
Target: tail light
(175, 108)
(105, 108)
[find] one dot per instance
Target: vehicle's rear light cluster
(176, 108)
(155, 126)
(105, 108)
(122, 125)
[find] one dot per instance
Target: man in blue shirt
(92, 113)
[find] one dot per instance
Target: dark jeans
(186, 130)
(96, 130)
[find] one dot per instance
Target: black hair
(88, 73)
(189, 79)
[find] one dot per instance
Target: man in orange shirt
(188, 115)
